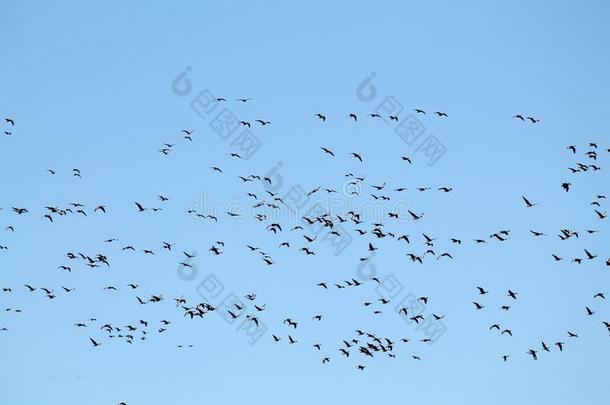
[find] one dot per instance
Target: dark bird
(590, 255)
(482, 291)
(528, 204)
(478, 306)
(414, 215)
(327, 151)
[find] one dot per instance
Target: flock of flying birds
(364, 345)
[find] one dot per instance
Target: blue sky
(89, 86)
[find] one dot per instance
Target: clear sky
(96, 86)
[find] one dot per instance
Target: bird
(327, 151)
(533, 353)
(590, 255)
(415, 216)
(477, 305)
(528, 204)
